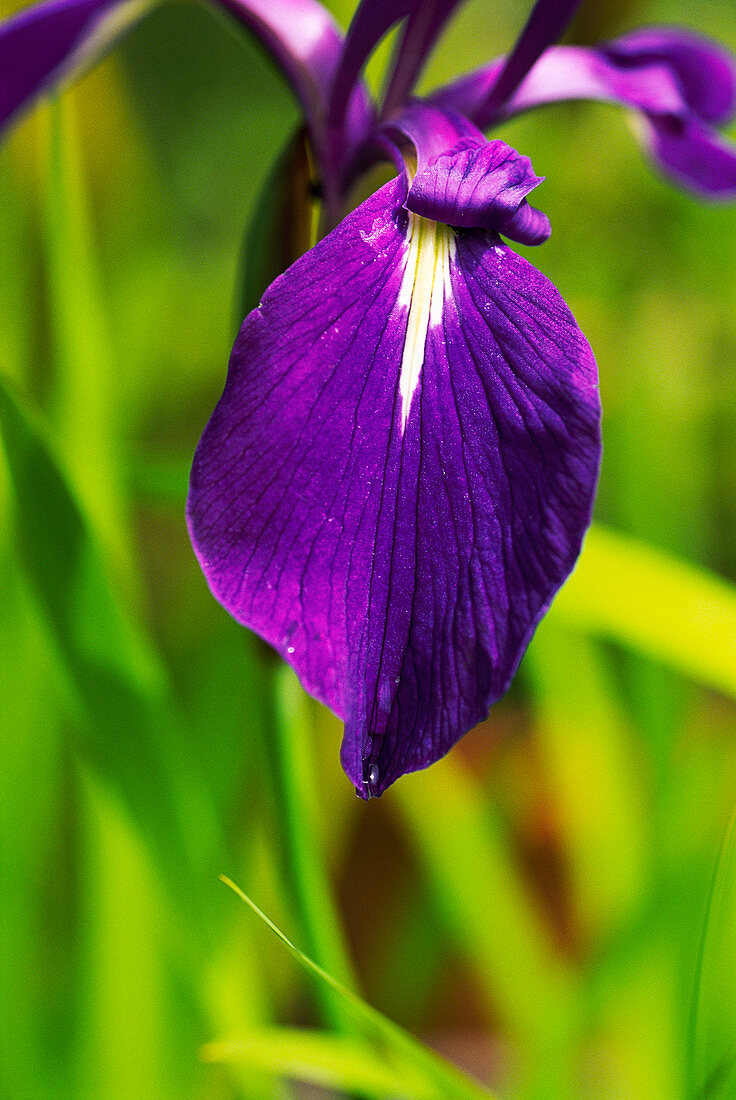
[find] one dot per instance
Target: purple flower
(400, 472)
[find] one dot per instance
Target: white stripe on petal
(426, 279)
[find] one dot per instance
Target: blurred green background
(534, 905)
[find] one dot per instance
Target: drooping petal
(693, 154)
(398, 476)
(705, 72)
(43, 44)
(565, 73)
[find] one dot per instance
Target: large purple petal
(44, 43)
(398, 476)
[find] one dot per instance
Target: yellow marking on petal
(426, 277)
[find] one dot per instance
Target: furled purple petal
(462, 179)
(480, 186)
(546, 25)
(431, 130)
(705, 71)
(527, 226)
(44, 43)
(398, 476)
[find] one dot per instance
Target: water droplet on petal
(373, 775)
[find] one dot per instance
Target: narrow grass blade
(31, 822)
(713, 1023)
(433, 1076)
(595, 780)
(85, 373)
(123, 1048)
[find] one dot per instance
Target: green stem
(305, 873)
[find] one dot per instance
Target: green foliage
(416, 1070)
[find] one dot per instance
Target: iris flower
(401, 469)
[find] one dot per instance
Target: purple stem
(546, 25)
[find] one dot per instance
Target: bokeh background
(533, 906)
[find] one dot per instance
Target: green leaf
(425, 1073)
(713, 1023)
(280, 229)
(132, 732)
(680, 615)
(320, 1058)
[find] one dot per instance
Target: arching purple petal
(398, 476)
(682, 146)
(480, 186)
(705, 72)
(301, 36)
(566, 73)
(371, 21)
(43, 44)
(306, 44)
(546, 25)
(431, 130)
(46, 42)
